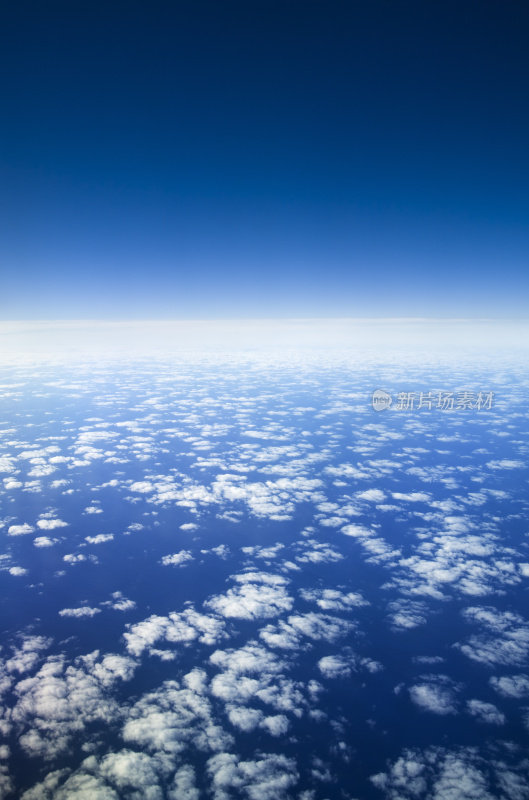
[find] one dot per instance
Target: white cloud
(183, 786)
(7, 464)
(244, 718)
(44, 541)
(276, 725)
(177, 627)
(436, 773)
(485, 712)
(411, 497)
(288, 634)
(267, 777)
(74, 558)
(357, 531)
(406, 614)
(505, 463)
(119, 602)
(20, 530)
(17, 571)
(319, 552)
(505, 637)
(259, 595)
(372, 495)
(79, 786)
(170, 718)
(27, 654)
(143, 487)
(334, 667)
(511, 685)
(434, 697)
(251, 658)
(179, 559)
(83, 611)
(99, 538)
(61, 699)
(51, 524)
(263, 552)
(333, 599)
(129, 770)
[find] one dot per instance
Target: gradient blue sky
(261, 158)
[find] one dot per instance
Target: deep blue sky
(222, 159)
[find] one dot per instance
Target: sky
(206, 160)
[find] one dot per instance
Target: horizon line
(207, 320)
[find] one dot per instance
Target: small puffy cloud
(17, 571)
(503, 640)
(267, 777)
(258, 595)
(143, 487)
(100, 538)
(250, 659)
(341, 666)
(276, 725)
(41, 470)
(319, 553)
(183, 785)
(266, 553)
(244, 718)
(511, 685)
(411, 497)
(6, 464)
(406, 614)
(51, 524)
(177, 559)
(119, 602)
(437, 773)
(485, 712)
(357, 531)
(333, 599)
(20, 530)
(74, 558)
(253, 672)
(434, 697)
(83, 611)
(44, 541)
(222, 551)
(177, 627)
(505, 463)
(170, 718)
(129, 770)
(372, 495)
(59, 484)
(334, 667)
(26, 655)
(62, 698)
(11, 483)
(77, 786)
(288, 634)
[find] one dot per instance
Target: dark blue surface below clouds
(237, 580)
